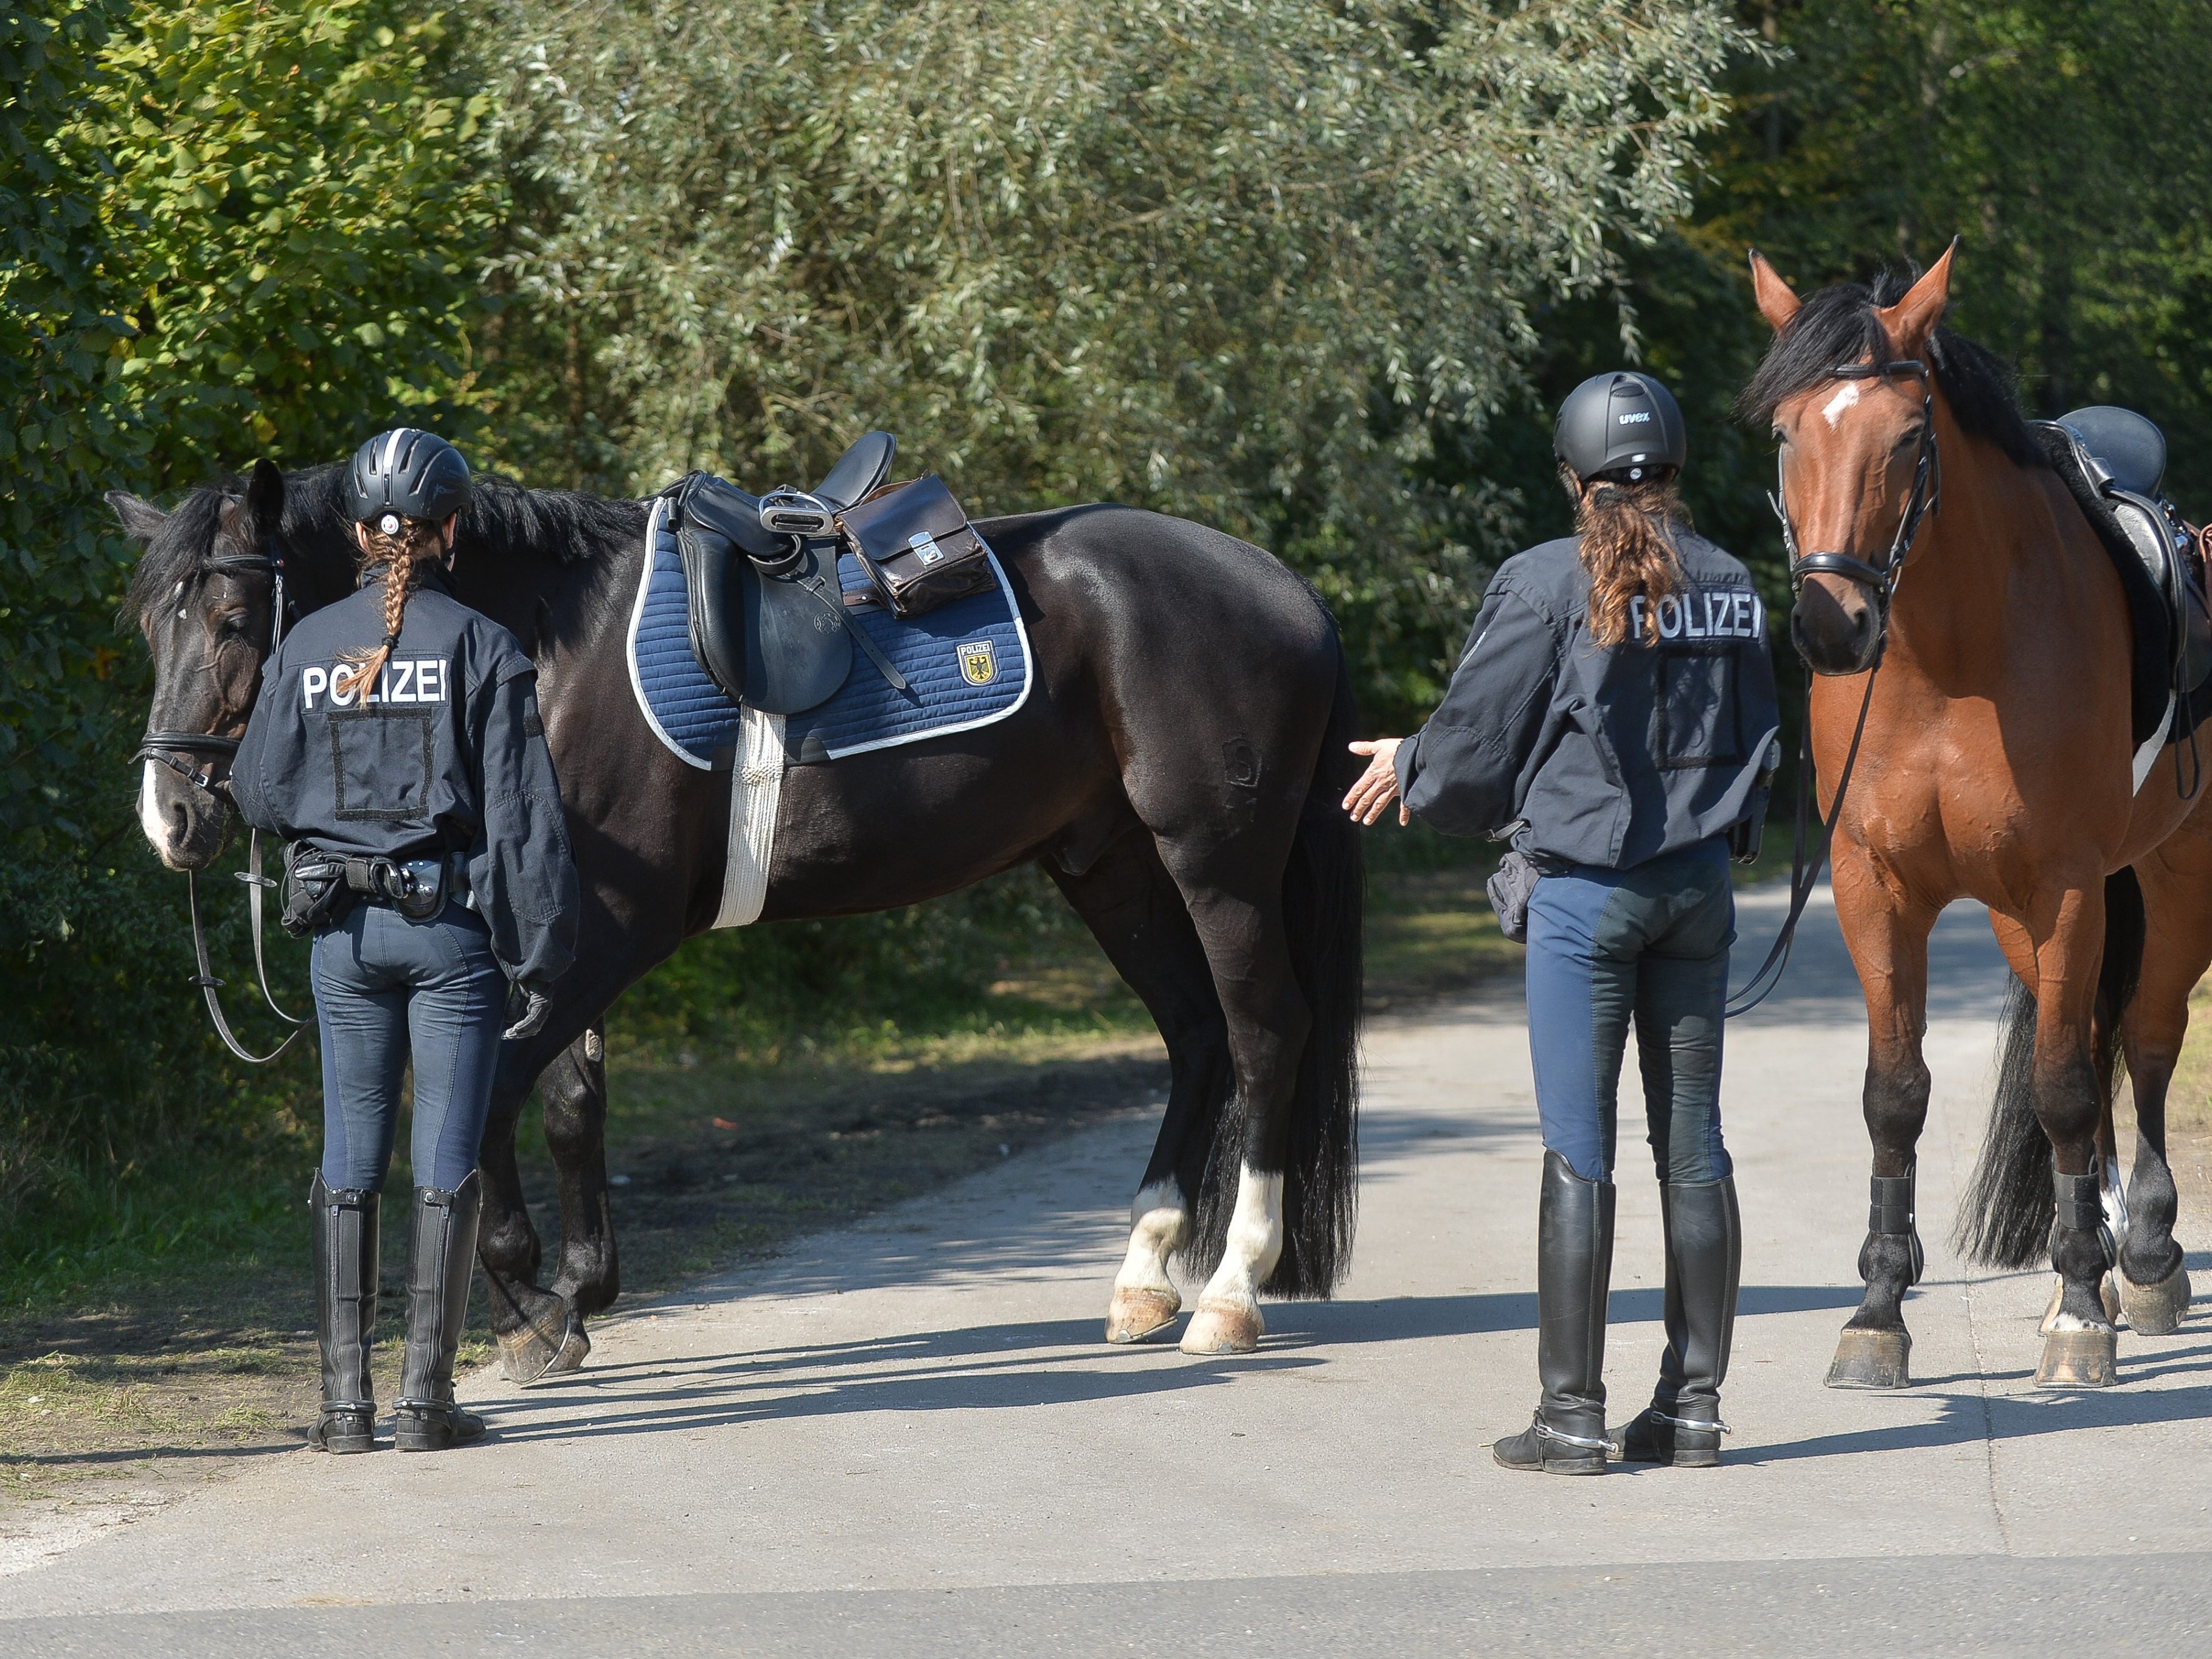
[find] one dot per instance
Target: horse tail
(1324, 902)
(2004, 1218)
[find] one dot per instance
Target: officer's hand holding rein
(1378, 785)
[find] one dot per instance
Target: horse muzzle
(1837, 625)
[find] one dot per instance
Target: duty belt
(418, 888)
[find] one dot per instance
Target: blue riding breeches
(386, 988)
(1649, 945)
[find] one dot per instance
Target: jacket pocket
(1694, 719)
(382, 760)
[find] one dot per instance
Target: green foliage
(1232, 261)
(225, 230)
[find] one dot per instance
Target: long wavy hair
(1628, 533)
(401, 554)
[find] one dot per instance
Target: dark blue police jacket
(445, 752)
(1600, 756)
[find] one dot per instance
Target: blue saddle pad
(966, 664)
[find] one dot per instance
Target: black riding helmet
(1620, 424)
(408, 472)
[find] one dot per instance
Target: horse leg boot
(346, 1227)
(1704, 1262)
(440, 1261)
(1574, 1270)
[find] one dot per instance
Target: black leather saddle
(2114, 461)
(769, 622)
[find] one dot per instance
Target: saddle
(768, 624)
(2113, 462)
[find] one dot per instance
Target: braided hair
(1627, 545)
(400, 547)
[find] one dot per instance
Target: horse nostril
(180, 821)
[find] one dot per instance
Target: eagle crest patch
(979, 661)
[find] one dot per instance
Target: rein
(1882, 579)
(172, 749)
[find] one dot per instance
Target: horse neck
(1982, 574)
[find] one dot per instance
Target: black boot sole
(431, 1434)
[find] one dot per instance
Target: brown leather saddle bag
(917, 546)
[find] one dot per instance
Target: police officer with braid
(397, 747)
(1612, 715)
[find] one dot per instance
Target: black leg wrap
(441, 1260)
(347, 1235)
(2081, 1205)
(1892, 1210)
(1704, 1264)
(1574, 1271)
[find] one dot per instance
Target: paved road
(906, 1437)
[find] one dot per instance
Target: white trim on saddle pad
(630, 647)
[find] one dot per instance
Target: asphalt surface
(907, 1438)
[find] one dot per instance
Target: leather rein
(180, 752)
(1881, 581)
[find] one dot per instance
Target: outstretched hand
(1378, 785)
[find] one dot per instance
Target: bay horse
(1941, 547)
(1175, 769)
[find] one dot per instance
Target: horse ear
(265, 497)
(141, 519)
(1913, 319)
(1777, 302)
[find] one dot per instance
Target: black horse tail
(1324, 902)
(2004, 1220)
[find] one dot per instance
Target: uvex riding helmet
(1620, 425)
(405, 473)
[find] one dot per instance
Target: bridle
(1806, 858)
(177, 750)
(1926, 497)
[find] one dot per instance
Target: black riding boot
(441, 1258)
(346, 1236)
(1704, 1258)
(1574, 1268)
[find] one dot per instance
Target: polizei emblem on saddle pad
(979, 661)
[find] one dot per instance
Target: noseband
(175, 750)
(1927, 493)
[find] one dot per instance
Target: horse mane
(175, 551)
(1838, 326)
(503, 520)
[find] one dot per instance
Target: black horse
(1175, 769)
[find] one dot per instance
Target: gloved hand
(535, 1011)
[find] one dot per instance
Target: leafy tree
(1235, 261)
(225, 229)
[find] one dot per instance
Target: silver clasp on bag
(926, 545)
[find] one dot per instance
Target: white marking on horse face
(1256, 1240)
(1158, 1225)
(1847, 395)
(149, 812)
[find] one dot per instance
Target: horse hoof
(575, 1347)
(541, 1335)
(1217, 1329)
(2106, 1295)
(1134, 1315)
(2080, 1359)
(1872, 1360)
(2156, 1309)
